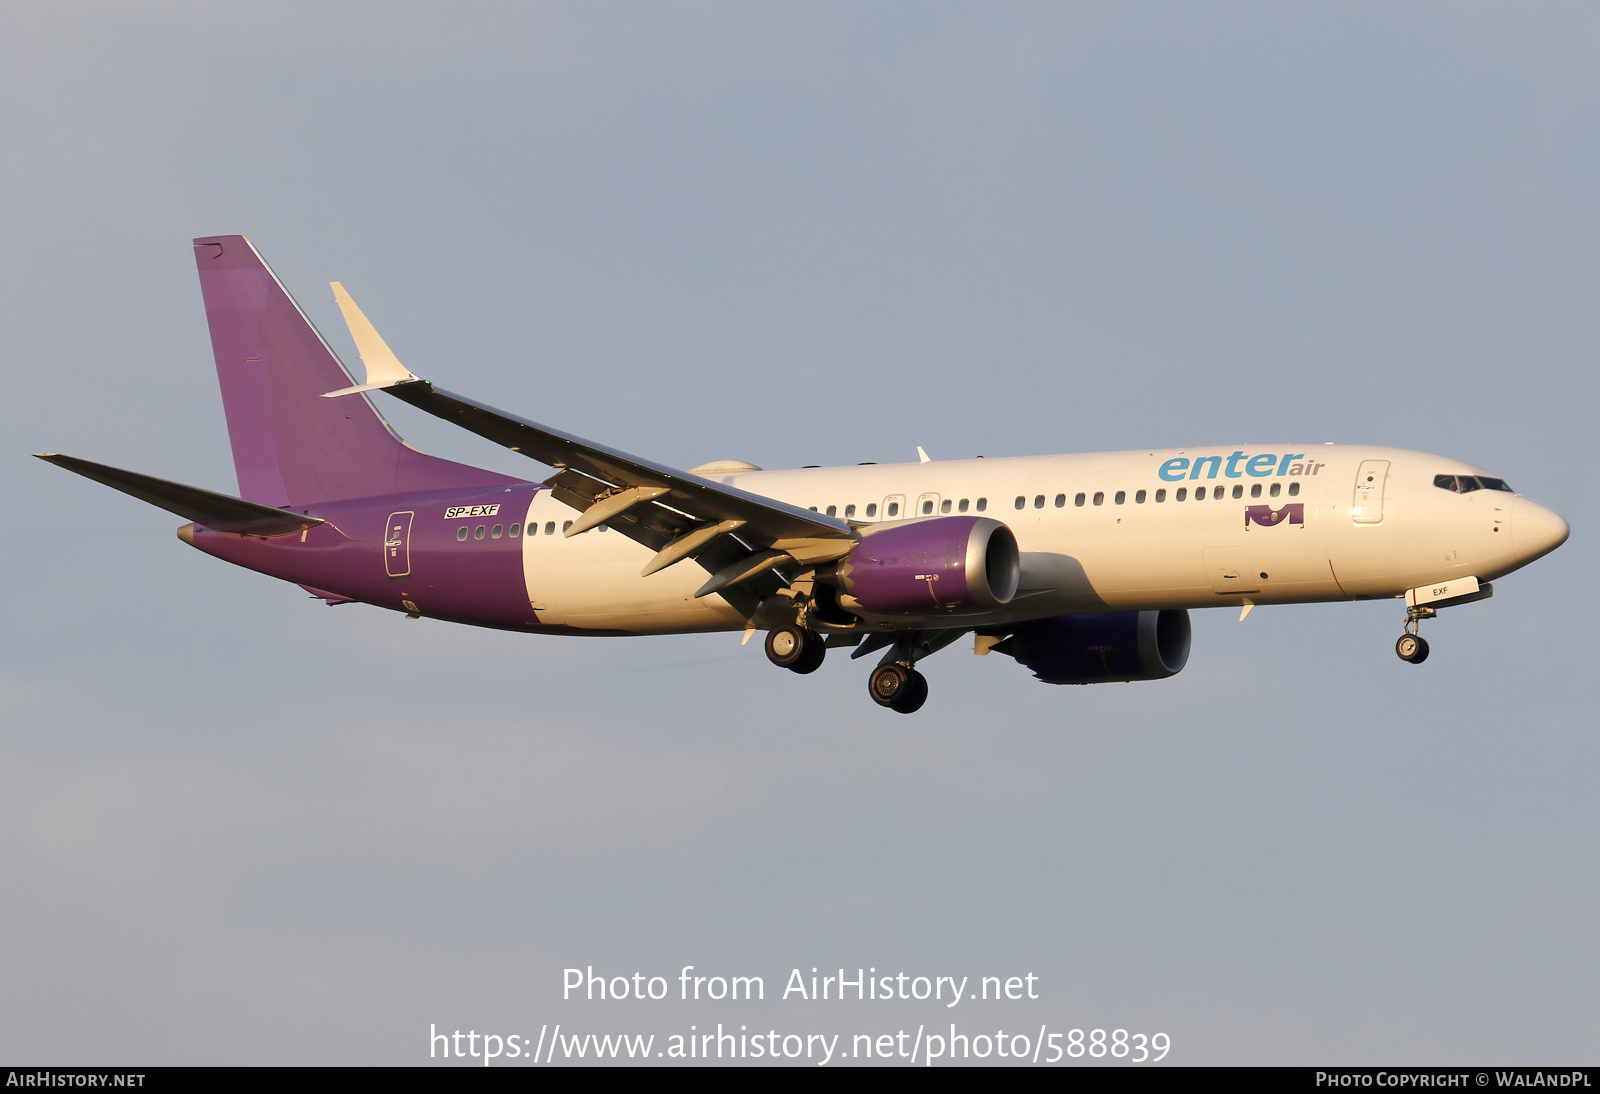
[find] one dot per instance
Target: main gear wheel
(900, 688)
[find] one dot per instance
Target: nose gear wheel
(1411, 647)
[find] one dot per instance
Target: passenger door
(397, 544)
(1366, 505)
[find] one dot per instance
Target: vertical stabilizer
(290, 445)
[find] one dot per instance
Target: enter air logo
(1267, 516)
(1264, 466)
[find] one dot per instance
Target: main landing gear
(1411, 646)
(795, 649)
(899, 687)
(894, 684)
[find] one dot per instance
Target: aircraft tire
(1412, 648)
(913, 695)
(887, 683)
(811, 659)
(788, 646)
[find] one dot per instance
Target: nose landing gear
(1411, 647)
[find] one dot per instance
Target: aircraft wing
(610, 486)
(738, 536)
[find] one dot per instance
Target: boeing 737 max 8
(1081, 567)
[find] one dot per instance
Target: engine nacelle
(922, 567)
(1103, 647)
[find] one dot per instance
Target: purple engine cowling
(946, 564)
(1102, 647)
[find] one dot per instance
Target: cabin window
(944, 506)
(1276, 488)
(602, 527)
(1294, 490)
(833, 510)
(1099, 497)
(499, 530)
(1161, 495)
(1139, 498)
(1217, 493)
(1021, 501)
(813, 508)
(516, 530)
(849, 511)
(1038, 501)
(1181, 495)
(566, 526)
(550, 528)
(477, 533)
(461, 533)
(894, 509)
(1122, 496)
(1238, 491)
(983, 503)
(1199, 493)
(1255, 490)
(1061, 501)
(1079, 499)
(927, 507)
(963, 506)
(872, 510)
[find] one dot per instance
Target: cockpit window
(1466, 484)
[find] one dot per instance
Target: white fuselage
(1105, 531)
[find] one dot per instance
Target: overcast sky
(239, 826)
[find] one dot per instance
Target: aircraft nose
(1535, 529)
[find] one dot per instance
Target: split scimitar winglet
(383, 367)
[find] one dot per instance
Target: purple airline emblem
(1267, 516)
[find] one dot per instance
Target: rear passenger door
(397, 544)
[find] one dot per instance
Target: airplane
(1082, 568)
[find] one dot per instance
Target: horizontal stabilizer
(216, 511)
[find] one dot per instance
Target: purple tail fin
(290, 445)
